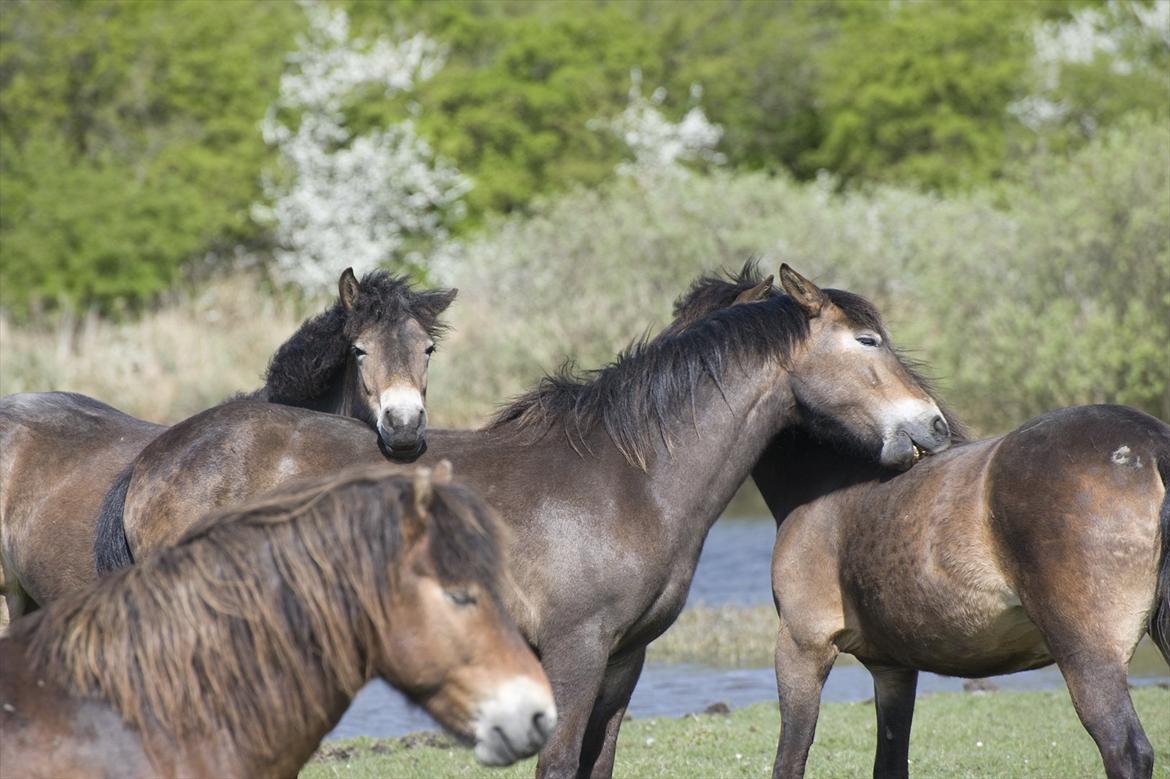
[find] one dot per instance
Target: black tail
(1160, 616)
(110, 547)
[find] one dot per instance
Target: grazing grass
(1001, 734)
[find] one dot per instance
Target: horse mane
(305, 365)
(716, 291)
(253, 621)
(652, 382)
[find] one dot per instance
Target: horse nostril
(941, 428)
(538, 722)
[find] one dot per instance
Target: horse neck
(300, 740)
(718, 445)
(795, 470)
(344, 395)
(312, 681)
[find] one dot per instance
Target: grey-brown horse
(235, 652)
(365, 356)
(609, 482)
(1048, 544)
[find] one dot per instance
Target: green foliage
(917, 92)
(131, 144)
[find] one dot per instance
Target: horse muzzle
(911, 442)
(514, 723)
(402, 430)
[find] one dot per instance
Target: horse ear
(442, 473)
(758, 292)
(806, 294)
(415, 524)
(438, 300)
(348, 289)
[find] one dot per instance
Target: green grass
(1001, 734)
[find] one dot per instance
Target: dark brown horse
(1048, 544)
(366, 357)
(609, 483)
(233, 653)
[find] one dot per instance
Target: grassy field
(998, 734)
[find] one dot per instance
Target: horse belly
(955, 633)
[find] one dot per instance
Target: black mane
(305, 366)
(652, 382)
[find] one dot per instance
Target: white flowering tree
(342, 199)
(660, 146)
(1123, 38)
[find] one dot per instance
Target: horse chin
(899, 452)
(406, 454)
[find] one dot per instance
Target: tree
(129, 144)
(360, 200)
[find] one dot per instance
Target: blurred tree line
(131, 155)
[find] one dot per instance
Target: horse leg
(1100, 694)
(575, 665)
(893, 693)
(800, 673)
(600, 744)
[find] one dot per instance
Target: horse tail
(1160, 616)
(111, 549)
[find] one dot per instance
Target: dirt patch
(329, 753)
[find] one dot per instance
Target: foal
(233, 653)
(365, 356)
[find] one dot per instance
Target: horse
(608, 481)
(996, 556)
(234, 652)
(365, 356)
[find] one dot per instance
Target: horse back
(227, 454)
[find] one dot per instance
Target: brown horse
(233, 653)
(996, 556)
(609, 482)
(366, 357)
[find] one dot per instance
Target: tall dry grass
(177, 360)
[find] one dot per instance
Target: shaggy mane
(652, 382)
(247, 625)
(306, 364)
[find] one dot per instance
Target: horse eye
(358, 352)
(461, 597)
(431, 349)
(868, 340)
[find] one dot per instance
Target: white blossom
(344, 199)
(1110, 32)
(660, 146)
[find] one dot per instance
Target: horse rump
(1160, 616)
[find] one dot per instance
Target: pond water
(735, 569)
